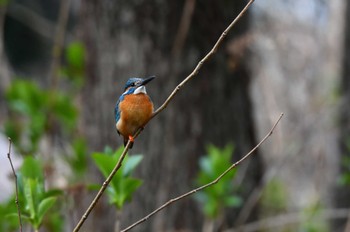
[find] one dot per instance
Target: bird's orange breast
(135, 111)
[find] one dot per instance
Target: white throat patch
(141, 89)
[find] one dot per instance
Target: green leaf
(222, 194)
(53, 193)
(233, 201)
(44, 206)
(205, 165)
(75, 68)
(64, 110)
(31, 168)
(131, 163)
(122, 185)
(129, 186)
(75, 54)
(211, 208)
(104, 163)
(30, 189)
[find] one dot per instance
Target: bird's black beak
(148, 79)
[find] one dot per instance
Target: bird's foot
(131, 138)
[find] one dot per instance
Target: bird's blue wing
(117, 110)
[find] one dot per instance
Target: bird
(133, 109)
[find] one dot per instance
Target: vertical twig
(184, 26)
(15, 175)
(58, 41)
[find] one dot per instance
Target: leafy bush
(122, 186)
(223, 194)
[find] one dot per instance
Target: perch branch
(162, 107)
(15, 175)
(206, 58)
(206, 185)
(103, 188)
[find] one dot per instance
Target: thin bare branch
(162, 107)
(15, 175)
(206, 185)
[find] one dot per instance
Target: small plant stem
(16, 184)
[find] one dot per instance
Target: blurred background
(63, 65)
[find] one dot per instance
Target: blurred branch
(32, 20)
(103, 188)
(209, 184)
(282, 220)
(15, 175)
(58, 41)
(5, 74)
(162, 107)
(184, 26)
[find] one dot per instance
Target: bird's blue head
(135, 82)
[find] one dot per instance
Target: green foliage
(8, 216)
(122, 185)
(77, 160)
(34, 111)
(274, 197)
(313, 220)
(75, 67)
(4, 2)
(223, 194)
(34, 200)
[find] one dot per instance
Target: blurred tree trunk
(137, 38)
(296, 70)
(4, 67)
(343, 192)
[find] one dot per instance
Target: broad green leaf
(233, 201)
(44, 206)
(211, 208)
(205, 165)
(131, 163)
(31, 168)
(130, 185)
(30, 186)
(222, 194)
(53, 193)
(64, 110)
(122, 185)
(104, 163)
(75, 54)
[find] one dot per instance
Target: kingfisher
(133, 109)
